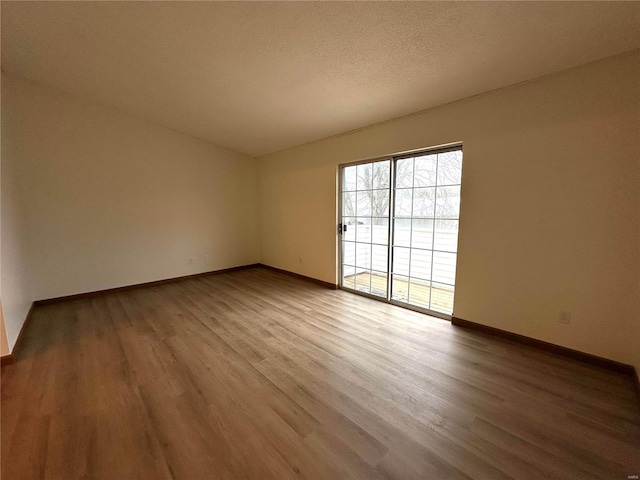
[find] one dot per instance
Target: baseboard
(636, 376)
(332, 286)
(6, 360)
(546, 346)
(142, 285)
(9, 359)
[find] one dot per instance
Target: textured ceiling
(261, 77)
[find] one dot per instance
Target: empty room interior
(320, 240)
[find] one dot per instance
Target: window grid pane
(379, 283)
(424, 220)
(365, 213)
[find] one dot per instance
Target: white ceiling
(259, 77)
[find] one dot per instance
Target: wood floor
(257, 375)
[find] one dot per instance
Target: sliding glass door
(365, 227)
(399, 228)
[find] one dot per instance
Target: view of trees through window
(424, 233)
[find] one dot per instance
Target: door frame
(341, 168)
(392, 170)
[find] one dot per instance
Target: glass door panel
(425, 229)
(365, 193)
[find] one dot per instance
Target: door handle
(342, 228)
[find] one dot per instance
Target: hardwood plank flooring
(255, 375)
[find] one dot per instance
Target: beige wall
(4, 344)
(14, 271)
(97, 199)
(550, 200)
